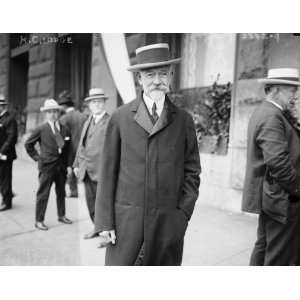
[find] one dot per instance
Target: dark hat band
(296, 79)
(97, 95)
(153, 55)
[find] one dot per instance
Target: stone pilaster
(4, 63)
(41, 80)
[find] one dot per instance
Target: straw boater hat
(2, 100)
(96, 93)
(288, 76)
(50, 104)
(151, 56)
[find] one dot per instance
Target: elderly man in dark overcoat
(272, 181)
(8, 140)
(150, 174)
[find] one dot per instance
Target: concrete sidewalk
(214, 237)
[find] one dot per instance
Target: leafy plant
(210, 108)
(218, 104)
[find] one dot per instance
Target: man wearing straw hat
(150, 176)
(53, 139)
(88, 159)
(8, 140)
(272, 181)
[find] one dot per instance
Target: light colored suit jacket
(89, 153)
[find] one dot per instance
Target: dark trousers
(6, 182)
(73, 184)
(46, 179)
(90, 188)
(277, 244)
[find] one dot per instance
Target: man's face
(286, 95)
(155, 82)
(52, 115)
(96, 106)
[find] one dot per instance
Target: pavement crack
(15, 221)
(12, 235)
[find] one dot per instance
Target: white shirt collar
(159, 104)
(276, 104)
(97, 118)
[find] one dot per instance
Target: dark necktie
(154, 113)
(58, 137)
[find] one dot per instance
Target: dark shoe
(41, 226)
(64, 220)
(4, 207)
(90, 235)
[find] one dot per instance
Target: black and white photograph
(149, 149)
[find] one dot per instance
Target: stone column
(251, 63)
(4, 62)
(41, 80)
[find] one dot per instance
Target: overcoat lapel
(142, 116)
(143, 119)
(91, 131)
(165, 118)
(99, 123)
(85, 128)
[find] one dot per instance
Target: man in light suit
(150, 176)
(53, 139)
(88, 159)
(272, 181)
(73, 120)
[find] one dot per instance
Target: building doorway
(73, 66)
(18, 80)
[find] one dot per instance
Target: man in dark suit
(73, 120)
(88, 160)
(53, 139)
(8, 140)
(272, 181)
(150, 173)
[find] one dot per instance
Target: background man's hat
(96, 93)
(2, 100)
(65, 98)
(289, 76)
(151, 56)
(50, 104)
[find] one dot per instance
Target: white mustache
(163, 88)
